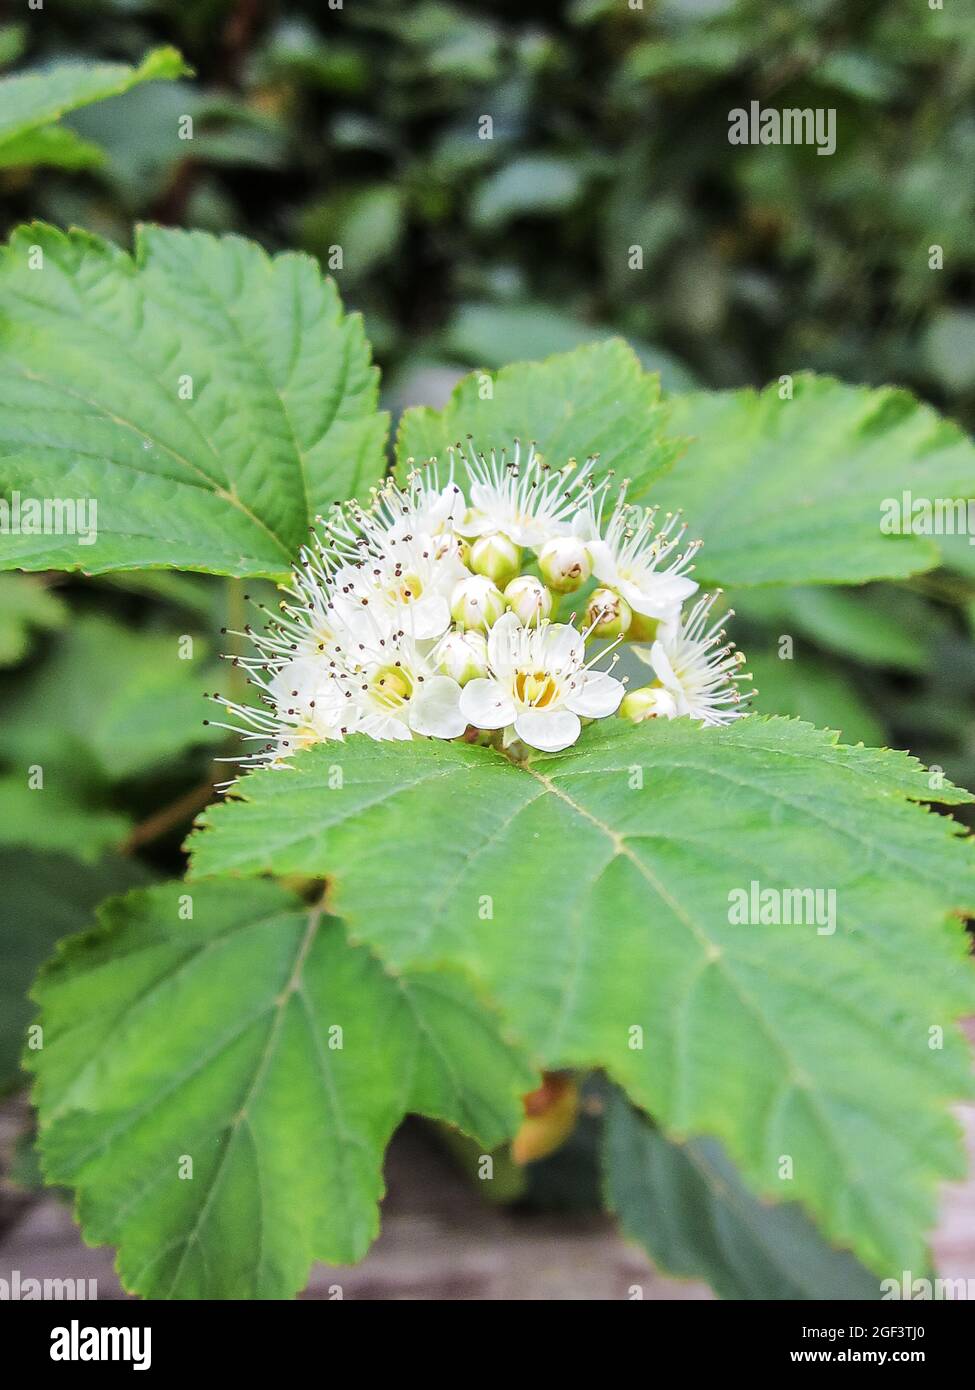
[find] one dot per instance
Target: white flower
(422, 508)
(363, 642)
(396, 692)
(301, 706)
(696, 668)
(408, 586)
(523, 498)
(539, 685)
(628, 555)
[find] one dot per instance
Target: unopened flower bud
(529, 599)
(649, 702)
(476, 603)
(564, 564)
(496, 557)
(608, 615)
(463, 656)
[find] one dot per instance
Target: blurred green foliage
(361, 126)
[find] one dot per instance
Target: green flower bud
(476, 603)
(496, 557)
(647, 703)
(564, 564)
(463, 656)
(607, 614)
(528, 597)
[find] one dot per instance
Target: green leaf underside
(686, 1206)
(595, 400)
(791, 491)
(45, 896)
(210, 1039)
(30, 101)
(610, 910)
(97, 350)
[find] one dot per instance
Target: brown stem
(183, 808)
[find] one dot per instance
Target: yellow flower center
(406, 588)
(535, 688)
(391, 687)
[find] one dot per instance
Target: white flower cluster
(433, 613)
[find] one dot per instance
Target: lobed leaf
(595, 400)
(589, 893)
(792, 491)
(213, 1041)
(211, 400)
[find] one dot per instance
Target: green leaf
(792, 491)
(45, 896)
(52, 145)
(57, 816)
(31, 101)
(949, 348)
(214, 1039)
(98, 351)
(532, 186)
(493, 335)
(596, 400)
(24, 605)
(610, 871)
(366, 222)
(686, 1206)
(112, 700)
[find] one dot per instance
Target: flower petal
(562, 648)
(660, 662)
(660, 596)
(486, 704)
(427, 617)
(548, 730)
(501, 640)
(435, 710)
(603, 563)
(596, 696)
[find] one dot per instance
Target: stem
(182, 809)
